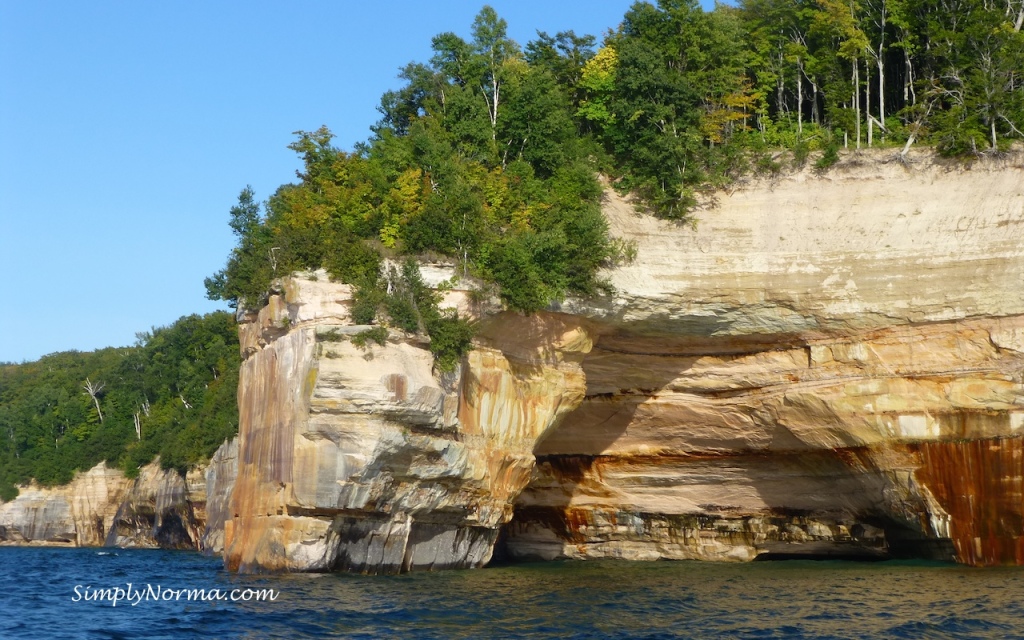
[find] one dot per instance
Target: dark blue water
(556, 600)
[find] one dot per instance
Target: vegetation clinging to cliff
(477, 159)
(684, 99)
(487, 153)
(172, 395)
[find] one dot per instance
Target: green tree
(179, 382)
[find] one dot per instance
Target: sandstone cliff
(102, 507)
(825, 365)
(366, 459)
(79, 513)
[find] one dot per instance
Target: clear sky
(127, 130)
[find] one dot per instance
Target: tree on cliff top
(487, 153)
(476, 158)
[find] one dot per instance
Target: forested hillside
(684, 98)
(173, 395)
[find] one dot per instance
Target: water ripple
(557, 600)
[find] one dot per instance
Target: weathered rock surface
(366, 459)
(220, 481)
(77, 514)
(161, 509)
(102, 507)
(826, 365)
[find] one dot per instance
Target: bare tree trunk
(138, 426)
(1010, 8)
(867, 100)
(880, 59)
(492, 106)
(93, 391)
(778, 97)
(1012, 126)
(494, 117)
(815, 114)
(910, 142)
(881, 86)
(799, 97)
(856, 97)
(915, 130)
(908, 86)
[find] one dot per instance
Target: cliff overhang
(826, 365)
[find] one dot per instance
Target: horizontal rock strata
(824, 366)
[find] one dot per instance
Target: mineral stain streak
(980, 485)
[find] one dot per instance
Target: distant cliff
(825, 366)
(101, 507)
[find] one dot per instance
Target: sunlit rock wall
(825, 365)
(367, 458)
(102, 507)
(77, 514)
(220, 481)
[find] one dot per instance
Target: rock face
(220, 481)
(161, 509)
(826, 365)
(78, 514)
(101, 507)
(366, 459)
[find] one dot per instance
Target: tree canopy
(173, 394)
(685, 99)
(487, 153)
(477, 158)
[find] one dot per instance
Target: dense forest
(172, 395)
(488, 155)
(489, 152)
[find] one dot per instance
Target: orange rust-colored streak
(576, 522)
(980, 484)
(398, 385)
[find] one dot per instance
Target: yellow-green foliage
(598, 83)
(502, 186)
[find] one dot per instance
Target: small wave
(604, 599)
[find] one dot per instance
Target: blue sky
(127, 130)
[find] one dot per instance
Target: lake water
(794, 599)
